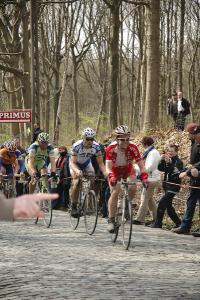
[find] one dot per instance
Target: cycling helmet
(88, 133)
(10, 145)
(122, 130)
(43, 137)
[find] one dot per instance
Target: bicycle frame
(124, 215)
(87, 205)
(45, 205)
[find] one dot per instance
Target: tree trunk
(181, 46)
(153, 65)
(75, 95)
(114, 62)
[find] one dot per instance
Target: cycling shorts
(124, 172)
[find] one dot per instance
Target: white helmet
(122, 130)
(43, 137)
(88, 133)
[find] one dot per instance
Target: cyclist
(119, 164)
(82, 152)
(40, 153)
(10, 159)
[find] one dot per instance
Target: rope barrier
(184, 186)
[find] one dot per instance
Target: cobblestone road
(57, 263)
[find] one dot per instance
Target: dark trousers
(180, 121)
(165, 203)
(191, 204)
(63, 200)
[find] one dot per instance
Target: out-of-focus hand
(26, 206)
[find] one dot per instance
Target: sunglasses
(123, 139)
(44, 143)
(89, 139)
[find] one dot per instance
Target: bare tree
(153, 65)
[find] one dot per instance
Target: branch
(11, 53)
(5, 88)
(57, 2)
(19, 73)
(136, 3)
(108, 3)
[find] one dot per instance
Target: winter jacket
(195, 161)
(171, 171)
(151, 165)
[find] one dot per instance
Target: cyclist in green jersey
(40, 154)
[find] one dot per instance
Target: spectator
(172, 107)
(36, 131)
(183, 111)
(194, 196)
(24, 206)
(190, 129)
(171, 165)
(151, 158)
(62, 169)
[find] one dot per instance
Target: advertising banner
(16, 116)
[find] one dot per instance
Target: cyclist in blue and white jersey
(82, 152)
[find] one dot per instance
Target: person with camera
(171, 165)
(192, 171)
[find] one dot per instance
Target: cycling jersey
(39, 155)
(83, 154)
(7, 161)
(122, 161)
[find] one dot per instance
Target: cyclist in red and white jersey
(120, 156)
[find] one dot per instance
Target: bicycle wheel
(46, 207)
(118, 218)
(90, 210)
(37, 190)
(127, 218)
(74, 221)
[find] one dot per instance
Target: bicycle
(87, 206)
(124, 215)
(46, 206)
(7, 185)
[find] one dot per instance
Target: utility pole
(35, 84)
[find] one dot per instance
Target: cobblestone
(58, 263)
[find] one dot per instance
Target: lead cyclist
(119, 164)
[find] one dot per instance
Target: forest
(100, 63)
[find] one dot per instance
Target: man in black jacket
(171, 165)
(183, 111)
(194, 196)
(36, 131)
(172, 107)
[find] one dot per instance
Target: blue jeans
(191, 204)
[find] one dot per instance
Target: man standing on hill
(178, 108)
(183, 111)
(36, 131)
(172, 107)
